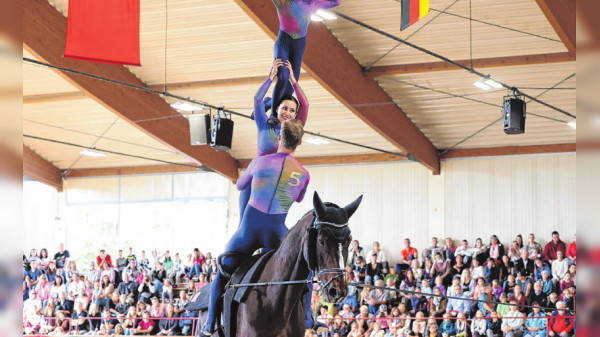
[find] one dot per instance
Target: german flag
(412, 11)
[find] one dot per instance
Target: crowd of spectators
(524, 289)
(129, 295)
(481, 290)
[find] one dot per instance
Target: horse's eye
(322, 242)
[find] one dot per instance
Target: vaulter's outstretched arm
(260, 116)
(302, 114)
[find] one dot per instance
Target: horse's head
(327, 247)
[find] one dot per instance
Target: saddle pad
(199, 301)
(250, 276)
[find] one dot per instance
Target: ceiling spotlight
(186, 106)
(573, 124)
(322, 15)
(316, 141)
(480, 83)
(493, 83)
(92, 153)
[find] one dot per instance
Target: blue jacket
(447, 327)
(536, 323)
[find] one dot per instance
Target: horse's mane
(338, 234)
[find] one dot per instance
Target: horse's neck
(288, 261)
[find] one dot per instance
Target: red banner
(104, 31)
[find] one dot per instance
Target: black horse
(318, 242)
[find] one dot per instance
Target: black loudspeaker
(199, 129)
(222, 133)
(514, 115)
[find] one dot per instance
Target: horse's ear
(319, 206)
(351, 208)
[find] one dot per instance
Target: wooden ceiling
(219, 52)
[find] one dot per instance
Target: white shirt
(380, 255)
(75, 287)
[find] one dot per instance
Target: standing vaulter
(277, 180)
(294, 17)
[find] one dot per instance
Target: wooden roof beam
(509, 150)
(491, 62)
(330, 63)
(561, 15)
(38, 168)
(44, 34)
(128, 170)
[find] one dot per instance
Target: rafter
(38, 168)
(330, 63)
(129, 170)
(561, 15)
(509, 150)
(44, 33)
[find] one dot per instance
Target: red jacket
(551, 249)
(572, 249)
(558, 323)
(107, 258)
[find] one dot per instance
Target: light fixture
(480, 83)
(187, 106)
(316, 141)
(322, 15)
(486, 83)
(91, 153)
(573, 124)
(492, 83)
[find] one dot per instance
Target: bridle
(313, 265)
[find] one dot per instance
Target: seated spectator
(573, 272)
(519, 298)
(146, 289)
(406, 256)
(461, 326)
(524, 281)
(78, 321)
(347, 312)
(568, 298)
(159, 275)
(61, 326)
(156, 309)
(377, 297)
(455, 282)
(349, 301)
(559, 324)
(554, 246)
(43, 289)
(491, 271)
(71, 271)
(532, 244)
(364, 319)
(128, 288)
(480, 251)
(103, 257)
(431, 250)
(393, 275)
(338, 326)
(92, 274)
(186, 324)
(438, 283)
(487, 300)
(427, 271)
(536, 324)
(547, 284)
(324, 319)
(128, 323)
(495, 250)
(374, 268)
(95, 318)
(513, 325)
(525, 263)
(537, 295)
(447, 327)
(467, 282)
(537, 254)
(355, 331)
(198, 261)
(167, 292)
(479, 325)
(497, 288)
(415, 266)
(478, 289)
(380, 254)
(360, 269)
(34, 273)
(438, 304)
(408, 284)
(459, 304)
(560, 268)
(433, 330)
(145, 326)
(538, 268)
(354, 251)
(102, 299)
(168, 326)
(177, 270)
(477, 270)
(418, 303)
(132, 270)
(494, 325)
(509, 285)
(507, 267)
(572, 251)
(108, 270)
(122, 307)
(449, 249)
(419, 324)
(441, 268)
(503, 308)
(426, 288)
(83, 299)
(62, 304)
(465, 252)
(514, 252)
